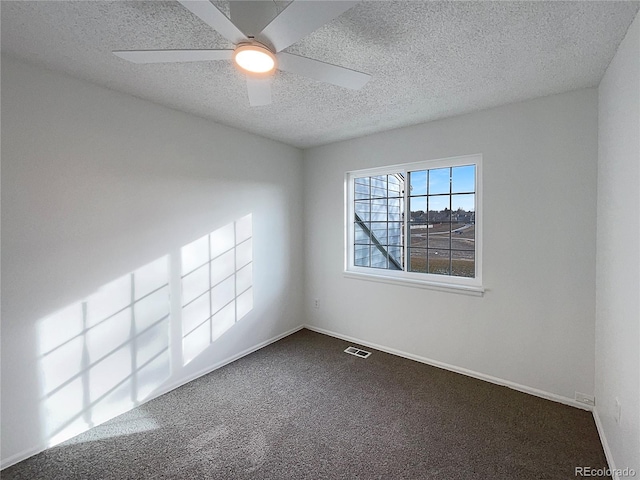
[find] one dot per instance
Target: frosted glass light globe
(254, 59)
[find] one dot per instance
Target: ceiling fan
(260, 34)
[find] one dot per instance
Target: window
(417, 223)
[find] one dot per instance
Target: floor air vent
(357, 352)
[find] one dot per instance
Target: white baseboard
(605, 443)
(23, 455)
(470, 373)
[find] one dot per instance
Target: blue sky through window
(457, 180)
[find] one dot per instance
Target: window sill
(439, 286)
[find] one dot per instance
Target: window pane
(439, 208)
(362, 180)
(439, 180)
(395, 233)
(463, 236)
(378, 210)
(361, 191)
(378, 257)
(418, 181)
(418, 207)
(395, 255)
(439, 236)
(439, 203)
(439, 262)
(379, 186)
(363, 210)
(395, 213)
(463, 264)
(463, 204)
(418, 234)
(379, 181)
(463, 179)
(418, 260)
(394, 185)
(379, 192)
(458, 228)
(361, 255)
(379, 232)
(418, 220)
(361, 237)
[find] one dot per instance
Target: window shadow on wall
(217, 285)
(105, 354)
(109, 352)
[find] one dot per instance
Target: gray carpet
(303, 409)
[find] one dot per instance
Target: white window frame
(472, 286)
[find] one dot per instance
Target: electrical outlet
(618, 412)
(316, 303)
(586, 399)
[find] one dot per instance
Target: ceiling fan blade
(251, 16)
(209, 14)
(300, 18)
(259, 90)
(324, 72)
(173, 56)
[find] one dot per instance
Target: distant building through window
(418, 222)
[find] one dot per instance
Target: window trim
(466, 285)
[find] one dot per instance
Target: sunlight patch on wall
(103, 355)
(217, 285)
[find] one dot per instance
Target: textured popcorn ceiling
(428, 59)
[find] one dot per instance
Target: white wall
(535, 324)
(96, 184)
(618, 253)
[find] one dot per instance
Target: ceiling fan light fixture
(254, 59)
